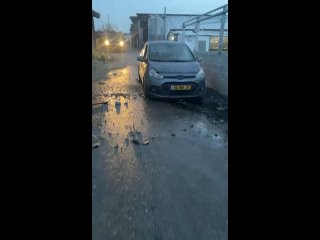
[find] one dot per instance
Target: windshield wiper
(158, 60)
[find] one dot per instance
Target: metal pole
(206, 14)
(223, 18)
(156, 26)
(183, 33)
(108, 23)
(197, 39)
(164, 24)
(93, 34)
(202, 18)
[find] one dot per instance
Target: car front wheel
(145, 91)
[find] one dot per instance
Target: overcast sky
(120, 10)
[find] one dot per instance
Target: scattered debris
(95, 145)
(116, 146)
(146, 142)
(172, 134)
(135, 141)
(182, 103)
(106, 102)
(141, 93)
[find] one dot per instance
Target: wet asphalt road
(175, 187)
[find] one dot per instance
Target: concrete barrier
(216, 68)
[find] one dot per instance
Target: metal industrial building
(203, 33)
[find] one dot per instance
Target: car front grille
(179, 77)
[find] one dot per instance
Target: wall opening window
(214, 43)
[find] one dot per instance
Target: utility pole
(164, 23)
(221, 35)
(108, 22)
(196, 44)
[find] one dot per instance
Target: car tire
(145, 92)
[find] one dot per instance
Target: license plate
(181, 87)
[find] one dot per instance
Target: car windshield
(170, 53)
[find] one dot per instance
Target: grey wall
(216, 69)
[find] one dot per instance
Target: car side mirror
(141, 59)
(199, 59)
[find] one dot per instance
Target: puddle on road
(121, 118)
(214, 106)
(127, 117)
(100, 108)
(201, 127)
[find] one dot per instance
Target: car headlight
(153, 73)
(107, 42)
(200, 74)
(121, 43)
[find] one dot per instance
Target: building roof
(134, 19)
(170, 14)
(95, 14)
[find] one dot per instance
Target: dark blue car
(168, 69)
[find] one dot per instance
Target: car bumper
(162, 88)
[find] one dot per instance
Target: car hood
(181, 68)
